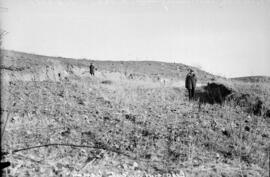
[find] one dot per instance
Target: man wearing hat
(92, 69)
(191, 80)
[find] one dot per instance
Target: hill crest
(152, 69)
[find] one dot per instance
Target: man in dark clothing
(191, 80)
(92, 69)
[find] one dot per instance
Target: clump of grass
(109, 82)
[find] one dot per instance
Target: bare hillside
(143, 69)
(253, 79)
(130, 119)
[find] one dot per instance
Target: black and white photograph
(135, 88)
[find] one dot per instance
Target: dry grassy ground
(110, 125)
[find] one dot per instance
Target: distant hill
(150, 69)
(264, 79)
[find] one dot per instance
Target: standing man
(92, 69)
(191, 80)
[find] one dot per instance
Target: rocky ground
(114, 125)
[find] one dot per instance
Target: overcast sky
(225, 37)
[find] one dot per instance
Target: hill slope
(149, 69)
(114, 125)
(252, 79)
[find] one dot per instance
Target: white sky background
(225, 37)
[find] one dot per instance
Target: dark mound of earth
(216, 93)
(250, 103)
(213, 93)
